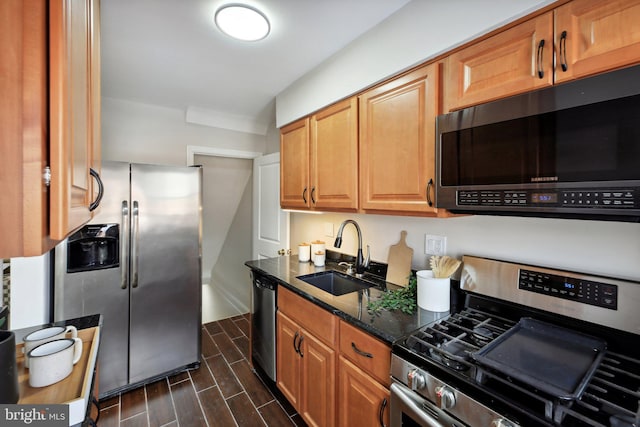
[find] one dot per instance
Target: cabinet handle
(299, 344)
(96, 202)
(429, 185)
(383, 406)
(295, 337)
(539, 59)
(360, 352)
(304, 195)
(563, 51)
(313, 197)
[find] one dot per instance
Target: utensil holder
(434, 294)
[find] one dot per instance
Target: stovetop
(450, 350)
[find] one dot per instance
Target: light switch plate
(435, 245)
(328, 229)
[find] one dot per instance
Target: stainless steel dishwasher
(263, 323)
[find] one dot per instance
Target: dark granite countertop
(388, 326)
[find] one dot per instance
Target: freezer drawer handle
(124, 245)
(134, 245)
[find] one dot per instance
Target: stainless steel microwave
(569, 151)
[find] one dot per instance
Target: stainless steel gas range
(532, 346)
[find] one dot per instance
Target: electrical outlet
(435, 245)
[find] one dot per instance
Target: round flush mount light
(242, 22)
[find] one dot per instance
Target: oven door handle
(404, 395)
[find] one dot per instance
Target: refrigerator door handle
(134, 245)
(124, 245)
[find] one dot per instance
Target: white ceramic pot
(42, 336)
(433, 293)
(53, 361)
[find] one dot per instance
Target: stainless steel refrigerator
(138, 263)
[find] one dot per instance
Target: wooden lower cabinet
(306, 363)
(362, 401)
(288, 364)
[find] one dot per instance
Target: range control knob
(445, 398)
(415, 380)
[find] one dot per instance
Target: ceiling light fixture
(242, 22)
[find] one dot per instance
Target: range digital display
(544, 198)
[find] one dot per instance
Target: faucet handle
(349, 267)
(366, 261)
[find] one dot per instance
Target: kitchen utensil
(44, 335)
(399, 262)
(53, 361)
(443, 266)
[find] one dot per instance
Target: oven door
(409, 409)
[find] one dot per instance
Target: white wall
(596, 247)
(142, 133)
(29, 291)
(420, 30)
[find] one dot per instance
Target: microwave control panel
(570, 288)
(627, 198)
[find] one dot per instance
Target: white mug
(53, 361)
(42, 336)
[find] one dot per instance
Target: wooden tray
(74, 390)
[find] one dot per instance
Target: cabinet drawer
(367, 352)
(314, 319)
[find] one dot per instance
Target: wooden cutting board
(399, 262)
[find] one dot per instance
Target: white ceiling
(169, 53)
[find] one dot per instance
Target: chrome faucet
(361, 263)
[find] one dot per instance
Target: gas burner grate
(451, 340)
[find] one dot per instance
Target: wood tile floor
(223, 391)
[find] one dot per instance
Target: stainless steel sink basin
(334, 282)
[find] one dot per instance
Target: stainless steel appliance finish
(440, 377)
(570, 150)
(151, 298)
(263, 323)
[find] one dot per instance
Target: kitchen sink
(335, 283)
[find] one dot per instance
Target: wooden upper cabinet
(47, 118)
(334, 157)
(294, 165)
(514, 61)
(397, 143)
(24, 217)
(70, 107)
(593, 36)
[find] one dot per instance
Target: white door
(270, 223)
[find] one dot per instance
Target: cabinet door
(517, 60)
(362, 400)
(294, 165)
(594, 36)
(95, 91)
(70, 115)
(397, 143)
(334, 157)
(317, 401)
(24, 217)
(288, 367)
